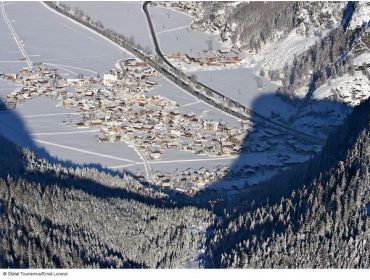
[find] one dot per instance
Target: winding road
(254, 116)
(180, 79)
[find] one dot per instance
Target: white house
(109, 79)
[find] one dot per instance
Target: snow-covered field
(172, 27)
(175, 34)
(190, 104)
(38, 123)
(276, 55)
(126, 18)
(5, 88)
(59, 43)
(9, 52)
(241, 85)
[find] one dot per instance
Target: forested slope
(322, 223)
(56, 217)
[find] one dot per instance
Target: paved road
(258, 118)
(154, 37)
(215, 99)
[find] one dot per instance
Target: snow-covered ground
(241, 85)
(172, 27)
(126, 18)
(5, 88)
(66, 45)
(276, 55)
(39, 122)
(187, 103)
(361, 14)
(9, 52)
(361, 59)
(351, 90)
(59, 43)
(175, 34)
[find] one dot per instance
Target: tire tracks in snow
(15, 36)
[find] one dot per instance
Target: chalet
(97, 122)
(74, 82)
(188, 134)
(209, 125)
(155, 155)
(109, 79)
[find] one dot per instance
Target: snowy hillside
(318, 17)
(288, 29)
(362, 58)
(276, 55)
(360, 15)
(351, 90)
(313, 21)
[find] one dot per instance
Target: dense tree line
(258, 22)
(315, 220)
(57, 217)
(253, 24)
(330, 57)
(322, 223)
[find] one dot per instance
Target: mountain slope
(53, 217)
(323, 223)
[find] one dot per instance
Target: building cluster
(191, 181)
(33, 83)
(154, 125)
(219, 58)
(116, 105)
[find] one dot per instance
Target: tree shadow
(266, 150)
(270, 193)
(269, 150)
(251, 180)
(14, 134)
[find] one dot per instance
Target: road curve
(199, 90)
(154, 37)
(257, 117)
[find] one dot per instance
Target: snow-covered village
(188, 99)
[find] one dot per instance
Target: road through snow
(15, 36)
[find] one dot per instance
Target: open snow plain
(174, 33)
(126, 18)
(240, 84)
(172, 27)
(9, 52)
(38, 123)
(188, 104)
(56, 41)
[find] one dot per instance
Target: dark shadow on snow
(213, 198)
(240, 168)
